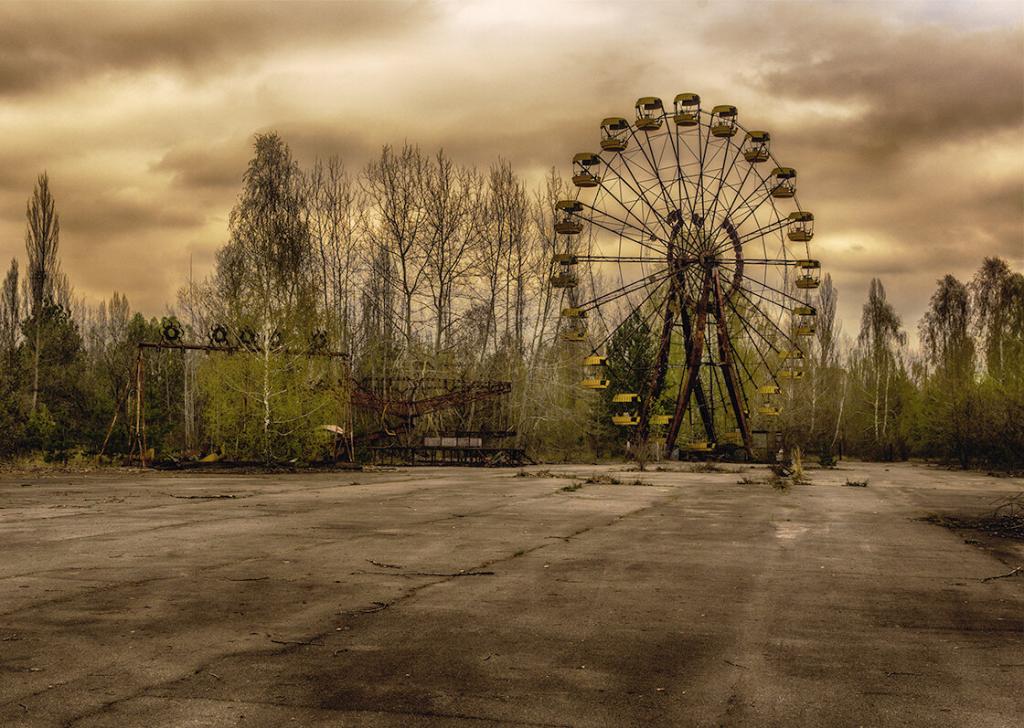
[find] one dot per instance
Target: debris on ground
(1012, 572)
(710, 466)
(856, 483)
(1004, 525)
(603, 479)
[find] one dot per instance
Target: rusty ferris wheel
(686, 221)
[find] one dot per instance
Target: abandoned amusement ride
(700, 231)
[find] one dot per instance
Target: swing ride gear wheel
(171, 330)
(219, 335)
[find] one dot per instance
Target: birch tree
(394, 187)
(880, 340)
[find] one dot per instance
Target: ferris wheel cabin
(805, 320)
(565, 224)
(801, 226)
(723, 121)
(687, 110)
(626, 416)
(810, 274)
(564, 280)
(614, 134)
(649, 113)
(756, 147)
(785, 182)
(584, 176)
(575, 334)
(794, 363)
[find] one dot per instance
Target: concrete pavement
(474, 597)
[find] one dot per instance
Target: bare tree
(42, 242)
(335, 206)
(394, 185)
(452, 198)
(501, 257)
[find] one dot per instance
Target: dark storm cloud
(45, 45)
(108, 215)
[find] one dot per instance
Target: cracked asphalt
(473, 597)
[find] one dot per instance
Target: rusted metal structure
(394, 406)
(684, 211)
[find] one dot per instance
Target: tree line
(416, 266)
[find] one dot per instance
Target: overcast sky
(904, 119)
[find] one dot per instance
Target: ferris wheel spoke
(779, 224)
(756, 261)
(616, 231)
(643, 317)
(641, 243)
(682, 190)
(723, 244)
(778, 291)
(751, 209)
(762, 184)
(637, 285)
(642, 223)
(626, 259)
(655, 163)
(723, 174)
(736, 191)
(701, 158)
(635, 190)
(789, 340)
(751, 329)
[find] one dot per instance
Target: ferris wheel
(686, 225)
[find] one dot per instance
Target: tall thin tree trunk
(35, 363)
